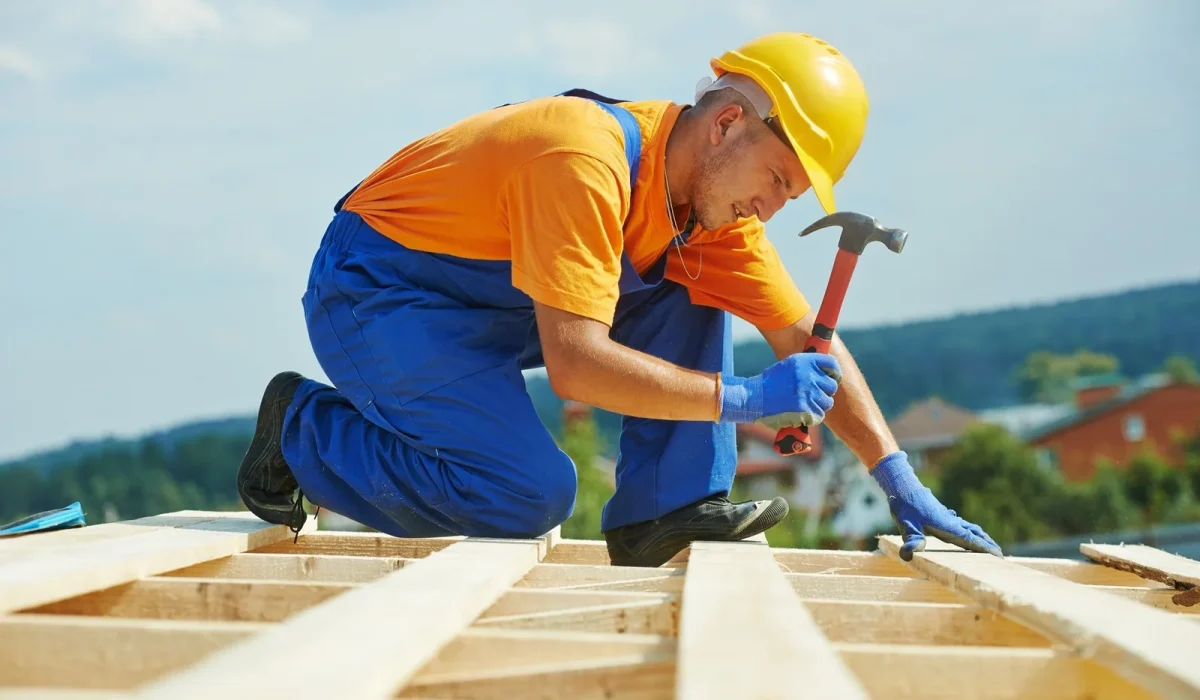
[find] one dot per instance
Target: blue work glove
(795, 391)
(918, 512)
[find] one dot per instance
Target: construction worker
(610, 243)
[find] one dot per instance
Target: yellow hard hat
(817, 96)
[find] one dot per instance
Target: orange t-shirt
(545, 184)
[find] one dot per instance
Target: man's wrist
(893, 473)
(740, 399)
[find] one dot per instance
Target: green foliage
(1047, 376)
(1181, 369)
(581, 442)
(993, 479)
(132, 480)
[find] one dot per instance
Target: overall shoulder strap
(629, 125)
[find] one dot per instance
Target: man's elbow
(567, 377)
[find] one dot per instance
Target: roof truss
(210, 604)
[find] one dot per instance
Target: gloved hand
(918, 512)
(797, 390)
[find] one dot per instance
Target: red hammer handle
(796, 440)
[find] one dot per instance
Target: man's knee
(539, 506)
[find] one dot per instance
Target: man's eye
(777, 180)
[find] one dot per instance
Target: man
(609, 243)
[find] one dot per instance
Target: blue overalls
(428, 429)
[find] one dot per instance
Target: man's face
(748, 170)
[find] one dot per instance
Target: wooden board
(743, 632)
(76, 567)
(391, 627)
(368, 615)
(1152, 564)
(1149, 646)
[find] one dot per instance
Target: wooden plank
(583, 577)
(522, 601)
(27, 693)
(650, 617)
(920, 623)
(294, 567)
(392, 627)
(743, 632)
(982, 673)
(872, 588)
(80, 568)
(178, 598)
(1148, 646)
(360, 544)
(1156, 597)
(613, 679)
(105, 653)
(1152, 564)
(823, 561)
(488, 653)
(1081, 571)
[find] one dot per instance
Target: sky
(167, 167)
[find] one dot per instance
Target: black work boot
(716, 518)
(264, 479)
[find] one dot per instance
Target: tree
(1181, 370)
(1047, 376)
(993, 479)
(582, 443)
(1157, 489)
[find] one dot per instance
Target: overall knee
(548, 501)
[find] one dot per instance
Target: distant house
(1114, 418)
(927, 429)
(826, 482)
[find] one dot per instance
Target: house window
(1046, 458)
(1135, 427)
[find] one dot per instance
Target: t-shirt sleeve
(741, 273)
(564, 214)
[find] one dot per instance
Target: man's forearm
(855, 417)
(583, 364)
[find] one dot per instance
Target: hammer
(858, 230)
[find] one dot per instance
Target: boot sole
(765, 519)
(265, 440)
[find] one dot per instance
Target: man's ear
(724, 120)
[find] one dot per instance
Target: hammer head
(858, 230)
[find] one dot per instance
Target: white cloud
(158, 21)
(20, 63)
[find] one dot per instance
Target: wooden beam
(177, 598)
(872, 588)
(360, 544)
(1081, 571)
(26, 693)
(1150, 647)
(634, 679)
(1152, 564)
(105, 653)
(920, 623)
(84, 567)
(625, 578)
(743, 632)
(487, 653)
(647, 617)
(390, 629)
(1156, 597)
(595, 553)
(823, 561)
(983, 673)
(294, 567)
(523, 601)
